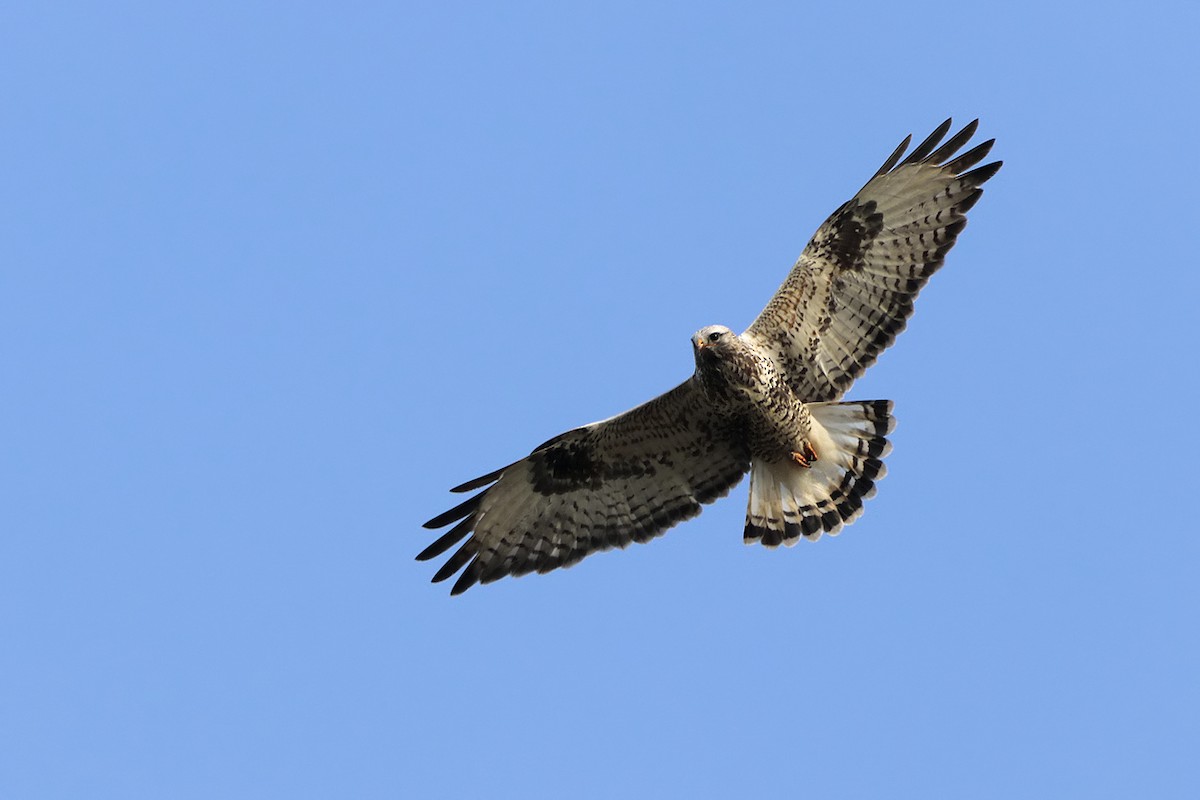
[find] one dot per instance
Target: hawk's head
(711, 342)
(721, 355)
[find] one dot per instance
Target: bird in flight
(766, 401)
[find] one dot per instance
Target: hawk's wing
(625, 479)
(852, 289)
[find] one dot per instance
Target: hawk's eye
(715, 336)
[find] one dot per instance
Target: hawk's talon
(806, 457)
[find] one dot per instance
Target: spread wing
(851, 291)
(625, 479)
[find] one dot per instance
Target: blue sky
(275, 277)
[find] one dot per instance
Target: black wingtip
(979, 175)
(953, 143)
(480, 482)
(968, 202)
(461, 510)
(970, 158)
(469, 578)
(894, 157)
(456, 562)
(931, 141)
(446, 541)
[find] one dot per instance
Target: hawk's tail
(788, 500)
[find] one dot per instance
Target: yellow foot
(806, 457)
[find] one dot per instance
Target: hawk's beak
(700, 345)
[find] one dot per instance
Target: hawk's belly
(778, 422)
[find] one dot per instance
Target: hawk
(766, 401)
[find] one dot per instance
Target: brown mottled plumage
(765, 401)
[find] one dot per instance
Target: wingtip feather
(446, 541)
(463, 509)
(456, 562)
(969, 158)
(980, 175)
(968, 202)
(931, 141)
(953, 143)
(480, 482)
(469, 578)
(894, 158)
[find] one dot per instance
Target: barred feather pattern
(789, 502)
(851, 292)
(625, 479)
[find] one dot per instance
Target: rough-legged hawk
(765, 401)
